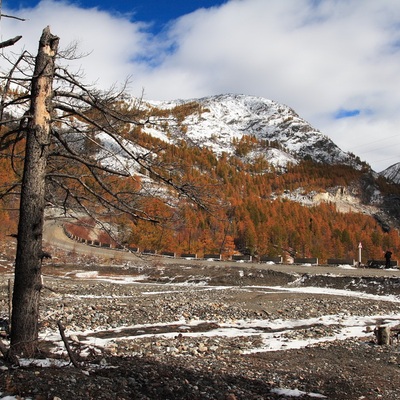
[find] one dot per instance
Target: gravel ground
(100, 316)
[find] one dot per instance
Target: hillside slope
(278, 182)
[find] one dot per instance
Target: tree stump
(382, 334)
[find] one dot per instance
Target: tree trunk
(28, 280)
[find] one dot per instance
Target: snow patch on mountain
(227, 117)
(392, 173)
(277, 158)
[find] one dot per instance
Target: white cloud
(110, 42)
(316, 56)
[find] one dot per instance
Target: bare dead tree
(78, 155)
(28, 279)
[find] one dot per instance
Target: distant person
(388, 256)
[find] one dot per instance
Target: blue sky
(335, 62)
(156, 12)
(346, 113)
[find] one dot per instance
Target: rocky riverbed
(155, 331)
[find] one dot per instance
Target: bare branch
(6, 87)
(10, 42)
(12, 17)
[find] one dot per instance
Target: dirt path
(54, 235)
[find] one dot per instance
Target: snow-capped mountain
(219, 120)
(392, 173)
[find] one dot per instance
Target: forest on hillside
(249, 217)
(245, 213)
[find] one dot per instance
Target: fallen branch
(50, 289)
(67, 346)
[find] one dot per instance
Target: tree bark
(28, 279)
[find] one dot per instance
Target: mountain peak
(221, 119)
(392, 173)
